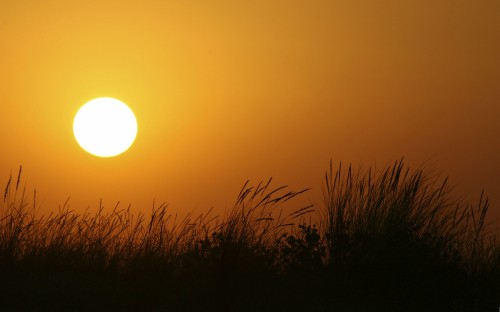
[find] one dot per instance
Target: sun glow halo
(105, 127)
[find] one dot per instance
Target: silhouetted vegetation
(394, 240)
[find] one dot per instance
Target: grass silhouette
(383, 241)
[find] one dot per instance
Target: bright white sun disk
(105, 127)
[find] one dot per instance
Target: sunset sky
(226, 91)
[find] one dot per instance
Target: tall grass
(118, 237)
(394, 239)
(399, 202)
(405, 232)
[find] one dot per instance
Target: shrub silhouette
(305, 250)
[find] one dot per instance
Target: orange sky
(226, 91)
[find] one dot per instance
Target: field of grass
(390, 240)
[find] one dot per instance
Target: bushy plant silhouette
(383, 241)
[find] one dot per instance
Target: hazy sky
(226, 91)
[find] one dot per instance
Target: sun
(105, 127)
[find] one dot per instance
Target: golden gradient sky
(226, 91)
